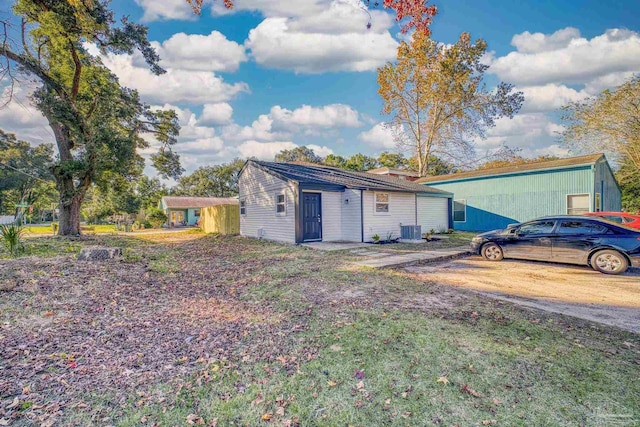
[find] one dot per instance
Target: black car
(606, 246)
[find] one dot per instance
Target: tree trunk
(69, 220)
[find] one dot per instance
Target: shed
(292, 202)
(493, 198)
(185, 211)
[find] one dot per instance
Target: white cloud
(538, 42)
(212, 52)
(282, 123)
(21, 118)
(322, 151)
(608, 81)
(264, 150)
(216, 114)
(569, 58)
(380, 136)
(333, 39)
(549, 97)
(176, 85)
(328, 116)
(155, 10)
(534, 133)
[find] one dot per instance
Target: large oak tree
(98, 124)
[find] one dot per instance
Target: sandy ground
(571, 290)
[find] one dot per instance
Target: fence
(223, 219)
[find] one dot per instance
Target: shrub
(156, 218)
(375, 238)
(11, 235)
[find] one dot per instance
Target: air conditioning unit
(260, 232)
(411, 232)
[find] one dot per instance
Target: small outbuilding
(186, 211)
(295, 203)
(494, 198)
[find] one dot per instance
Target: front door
(311, 217)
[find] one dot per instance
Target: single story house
(183, 211)
(493, 198)
(396, 173)
(295, 203)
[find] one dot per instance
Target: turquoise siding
(606, 184)
(496, 201)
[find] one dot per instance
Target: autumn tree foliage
(609, 122)
(98, 125)
(438, 101)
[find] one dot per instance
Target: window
(243, 207)
(577, 204)
(196, 213)
(460, 210)
(613, 218)
(382, 203)
(581, 227)
(598, 202)
(281, 204)
(538, 227)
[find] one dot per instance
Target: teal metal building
(494, 198)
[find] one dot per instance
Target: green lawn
(205, 330)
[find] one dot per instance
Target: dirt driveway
(572, 290)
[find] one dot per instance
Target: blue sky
(271, 74)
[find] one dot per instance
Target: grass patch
(402, 369)
(265, 333)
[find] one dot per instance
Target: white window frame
(243, 206)
(578, 194)
(283, 203)
(598, 200)
(376, 203)
(453, 210)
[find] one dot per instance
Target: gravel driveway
(572, 290)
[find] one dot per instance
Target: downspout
(297, 197)
(362, 216)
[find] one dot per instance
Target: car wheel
(492, 252)
(609, 262)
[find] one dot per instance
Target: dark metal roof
(307, 174)
(529, 167)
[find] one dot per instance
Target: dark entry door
(311, 217)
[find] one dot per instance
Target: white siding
(351, 216)
(402, 210)
(259, 189)
(331, 216)
(433, 213)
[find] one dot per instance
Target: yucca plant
(11, 237)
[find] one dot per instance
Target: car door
(530, 241)
(575, 238)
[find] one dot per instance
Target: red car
(623, 218)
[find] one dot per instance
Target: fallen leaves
(468, 390)
(443, 380)
(266, 417)
(193, 419)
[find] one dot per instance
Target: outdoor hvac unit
(411, 232)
